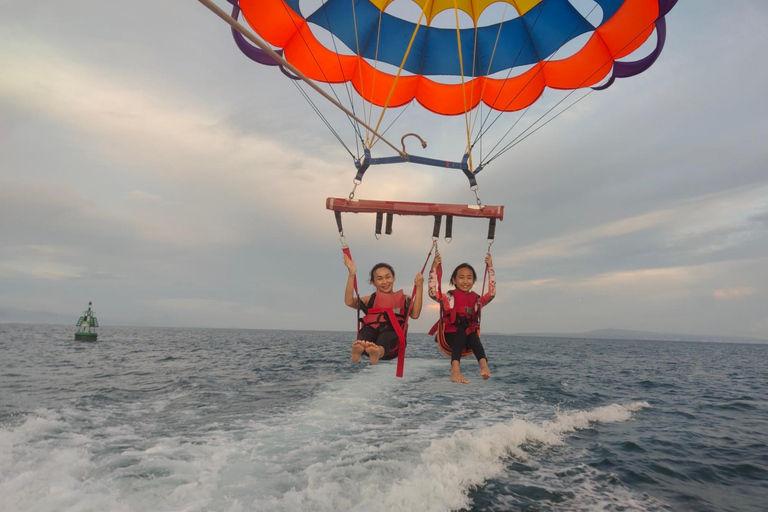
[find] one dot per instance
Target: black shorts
(386, 338)
(460, 340)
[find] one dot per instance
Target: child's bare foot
(375, 352)
(485, 372)
(456, 375)
(357, 350)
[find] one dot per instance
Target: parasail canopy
(503, 54)
(480, 58)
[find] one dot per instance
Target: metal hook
(356, 182)
(477, 196)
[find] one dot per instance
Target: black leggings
(386, 338)
(459, 340)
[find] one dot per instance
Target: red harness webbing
(401, 353)
(400, 331)
(439, 327)
(346, 251)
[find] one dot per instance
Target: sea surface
(162, 419)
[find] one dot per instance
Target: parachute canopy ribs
(410, 208)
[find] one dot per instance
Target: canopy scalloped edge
(623, 33)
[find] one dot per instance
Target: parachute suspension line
(402, 64)
(395, 120)
(359, 67)
(354, 116)
(541, 69)
(423, 55)
(463, 83)
(515, 141)
(370, 141)
(482, 131)
(355, 126)
(480, 140)
(485, 81)
(268, 49)
(519, 118)
(472, 82)
(322, 117)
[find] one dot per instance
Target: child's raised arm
(432, 289)
(417, 297)
(349, 291)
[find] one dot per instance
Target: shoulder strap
(365, 307)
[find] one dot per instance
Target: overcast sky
(148, 166)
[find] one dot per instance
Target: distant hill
(626, 334)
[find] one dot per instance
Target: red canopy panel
(409, 208)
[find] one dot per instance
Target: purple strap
(252, 52)
(628, 69)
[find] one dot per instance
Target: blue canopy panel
(522, 41)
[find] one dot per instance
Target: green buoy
(86, 326)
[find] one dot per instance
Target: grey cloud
(682, 131)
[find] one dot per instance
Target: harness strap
(400, 331)
(439, 326)
(486, 275)
(401, 354)
(382, 317)
(439, 273)
(346, 251)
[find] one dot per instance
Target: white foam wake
(347, 450)
(451, 466)
(442, 476)
(44, 467)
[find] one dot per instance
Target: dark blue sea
(152, 419)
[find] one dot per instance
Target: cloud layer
(166, 178)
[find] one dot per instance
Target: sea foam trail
(44, 466)
(452, 466)
(440, 478)
(367, 443)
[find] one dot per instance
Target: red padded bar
(408, 208)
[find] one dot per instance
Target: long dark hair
(456, 271)
(383, 265)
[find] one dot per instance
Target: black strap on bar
(388, 229)
(338, 222)
(465, 169)
(470, 177)
(379, 220)
(436, 230)
(448, 227)
(363, 164)
(492, 229)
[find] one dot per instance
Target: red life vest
(376, 317)
(464, 307)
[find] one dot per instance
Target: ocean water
(153, 419)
